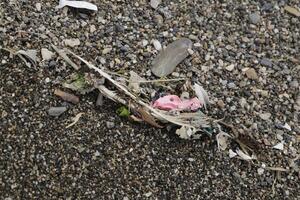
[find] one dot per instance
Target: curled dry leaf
(75, 119)
(66, 96)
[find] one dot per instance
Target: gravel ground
(246, 55)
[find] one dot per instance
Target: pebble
(221, 104)
(266, 62)
(251, 74)
(46, 54)
(106, 51)
(254, 18)
(260, 171)
(110, 125)
(52, 63)
(230, 67)
(265, 116)
(155, 3)
(231, 85)
(145, 43)
(56, 111)
(38, 7)
(167, 60)
(294, 84)
(159, 19)
(157, 45)
(92, 28)
(72, 42)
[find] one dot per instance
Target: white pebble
(157, 45)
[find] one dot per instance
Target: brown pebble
(221, 104)
(251, 74)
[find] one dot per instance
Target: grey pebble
(167, 60)
(266, 62)
(56, 111)
(294, 84)
(110, 125)
(254, 18)
(52, 64)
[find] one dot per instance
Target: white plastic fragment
(279, 146)
(230, 67)
(46, 54)
(77, 4)
(201, 94)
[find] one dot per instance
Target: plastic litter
(173, 102)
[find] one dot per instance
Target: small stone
(56, 111)
(279, 146)
(38, 7)
(106, 51)
(145, 43)
(110, 125)
(230, 67)
(266, 62)
(157, 45)
(243, 102)
(47, 80)
(197, 44)
(159, 19)
(46, 54)
(231, 85)
(52, 63)
(251, 74)
(184, 95)
(221, 103)
(155, 3)
(92, 28)
(167, 60)
(254, 18)
(265, 116)
(148, 194)
(292, 11)
(72, 42)
(260, 171)
(294, 84)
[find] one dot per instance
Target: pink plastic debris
(173, 102)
